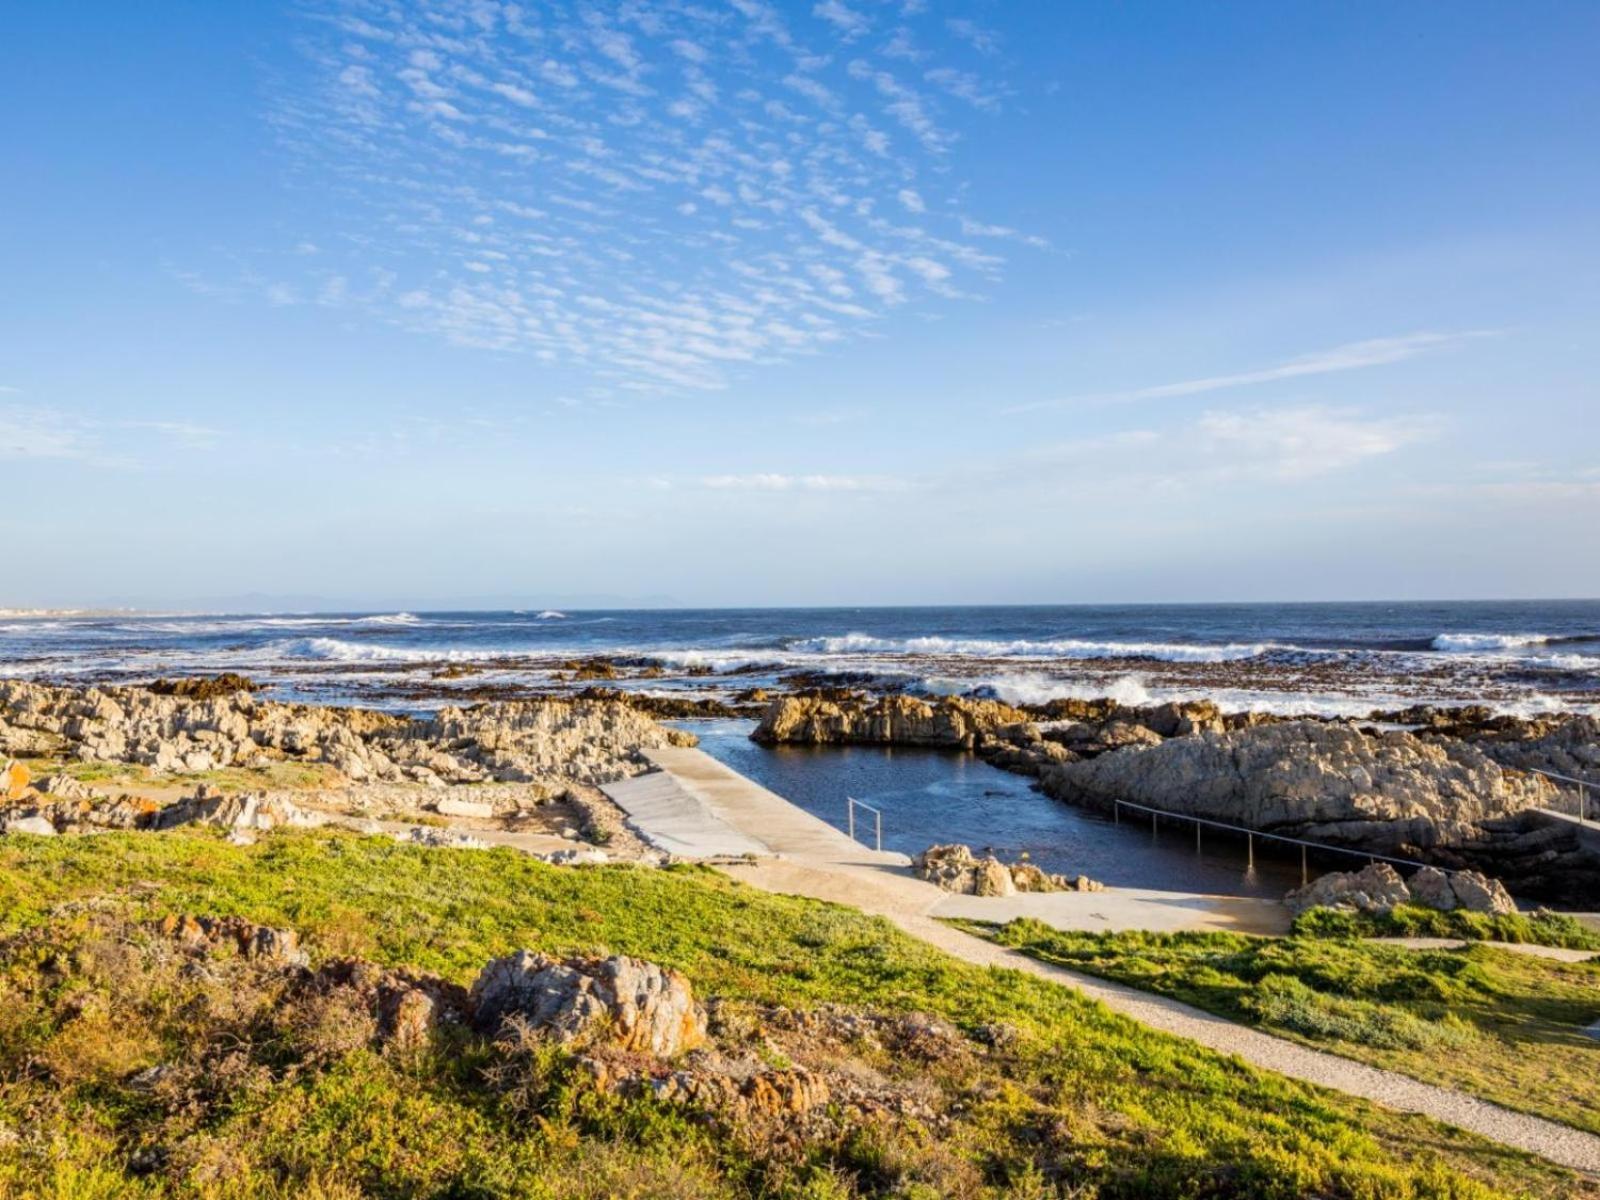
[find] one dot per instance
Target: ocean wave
(551, 614)
(1065, 648)
(399, 618)
(336, 650)
(1470, 643)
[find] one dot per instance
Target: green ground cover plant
(1507, 1026)
(278, 1100)
(1542, 928)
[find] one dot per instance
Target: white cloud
(982, 39)
(1351, 356)
(41, 433)
(49, 433)
(1282, 445)
(848, 21)
(771, 482)
(695, 191)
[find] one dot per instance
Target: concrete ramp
(673, 818)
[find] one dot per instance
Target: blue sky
(741, 302)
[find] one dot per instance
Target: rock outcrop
(1379, 888)
(249, 940)
(1388, 792)
(626, 1002)
(955, 868)
(949, 722)
(593, 741)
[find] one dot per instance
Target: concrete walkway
(808, 857)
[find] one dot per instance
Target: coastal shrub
(1285, 1002)
(188, 1083)
(1541, 928)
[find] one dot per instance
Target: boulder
(1431, 888)
(1378, 888)
(623, 1001)
(14, 779)
(955, 868)
(1478, 893)
(34, 824)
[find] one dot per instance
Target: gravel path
(1558, 1143)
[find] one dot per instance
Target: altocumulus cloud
(659, 193)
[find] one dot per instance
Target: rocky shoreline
(212, 752)
(1452, 788)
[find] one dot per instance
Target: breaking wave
(1065, 648)
(1470, 643)
(334, 650)
(551, 614)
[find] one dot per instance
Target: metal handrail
(1583, 787)
(851, 804)
(1253, 834)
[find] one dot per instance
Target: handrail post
(1250, 840)
(877, 820)
(850, 807)
(1303, 878)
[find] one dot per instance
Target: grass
(1083, 1103)
(1503, 1025)
(1409, 920)
(277, 776)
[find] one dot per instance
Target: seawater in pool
(931, 796)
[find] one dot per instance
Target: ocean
(1517, 656)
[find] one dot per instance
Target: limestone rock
(34, 824)
(955, 868)
(202, 728)
(1431, 888)
(1377, 888)
(1322, 781)
(1478, 893)
(247, 810)
(14, 779)
(256, 942)
(450, 839)
(949, 721)
(632, 1004)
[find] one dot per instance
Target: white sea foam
(1477, 643)
(551, 614)
(1064, 648)
(399, 618)
(337, 650)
